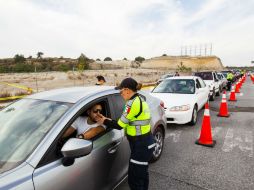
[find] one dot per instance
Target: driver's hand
(101, 118)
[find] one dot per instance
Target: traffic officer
(135, 120)
(242, 73)
(230, 77)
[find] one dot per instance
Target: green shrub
(140, 59)
(63, 68)
(19, 58)
(107, 59)
(183, 68)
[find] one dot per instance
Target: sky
(128, 28)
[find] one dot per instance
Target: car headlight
(180, 108)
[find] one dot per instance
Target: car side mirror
(75, 148)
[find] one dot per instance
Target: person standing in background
(101, 80)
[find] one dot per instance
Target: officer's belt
(140, 122)
(137, 138)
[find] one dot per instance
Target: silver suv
(34, 154)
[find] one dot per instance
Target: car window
(54, 152)
(215, 76)
(198, 83)
(23, 125)
(202, 83)
(180, 86)
(204, 75)
(118, 105)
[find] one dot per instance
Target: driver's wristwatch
(81, 136)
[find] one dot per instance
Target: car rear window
(205, 75)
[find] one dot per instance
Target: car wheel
(213, 96)
(194, 116)
(159, 143)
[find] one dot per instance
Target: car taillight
(162, 104)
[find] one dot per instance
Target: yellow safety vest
(135, 121)
(230, 76)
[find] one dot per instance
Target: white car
(223, 81)
(212, 81)
(183, 97)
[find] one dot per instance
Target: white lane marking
(175, 135)
(216, 130)
(243, 140)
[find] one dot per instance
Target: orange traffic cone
(223, 106)
(205, 138)
(232, 94)
(237, 88)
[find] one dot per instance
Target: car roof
(70, 95)
(206, 72)
(182, 77)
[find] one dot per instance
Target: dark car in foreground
(34, 154)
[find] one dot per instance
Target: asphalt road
(228, 165)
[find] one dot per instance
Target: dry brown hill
(173, 62)
(165, 63)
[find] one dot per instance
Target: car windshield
(205, 75)
(219, 76)
(178, 86)
(23, 125)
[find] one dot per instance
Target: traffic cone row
(205, 138)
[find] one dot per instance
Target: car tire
(213, 96)
(159, 144)
(194, 116)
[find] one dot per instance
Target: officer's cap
(128, 83)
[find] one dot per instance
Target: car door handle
(114, 146)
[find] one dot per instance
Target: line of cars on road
(184, 96)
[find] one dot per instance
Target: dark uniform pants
(141, 154)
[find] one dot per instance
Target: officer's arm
(112, 123)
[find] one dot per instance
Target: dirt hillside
(172, 62)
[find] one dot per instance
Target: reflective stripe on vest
(140, 122)
(138, 130)
(138, 162)
(124, 119)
